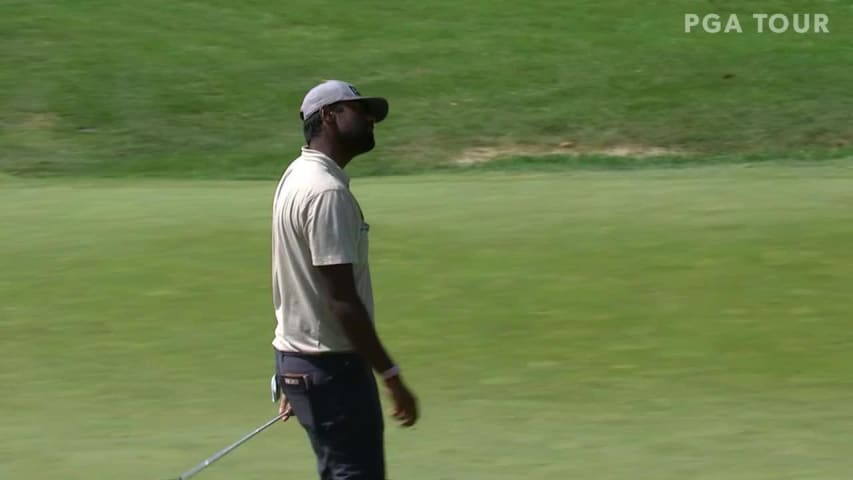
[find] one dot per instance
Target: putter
(276, 393)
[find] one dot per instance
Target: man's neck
(336, 154)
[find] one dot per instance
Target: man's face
(355, 126)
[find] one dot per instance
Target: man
(325, 342)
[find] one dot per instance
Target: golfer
(326, 346)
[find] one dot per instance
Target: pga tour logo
(763, 22)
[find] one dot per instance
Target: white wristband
(391, 372)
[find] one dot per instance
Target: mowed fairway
(657, 324)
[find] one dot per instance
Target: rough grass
(211, 88)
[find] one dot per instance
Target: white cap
(333, 91)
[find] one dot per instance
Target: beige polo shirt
(316, 221)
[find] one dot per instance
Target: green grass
(658, 324)
(561, 314)
(211, 89)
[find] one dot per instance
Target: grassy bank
(211, 89)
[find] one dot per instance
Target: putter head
(275, 390)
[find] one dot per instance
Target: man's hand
(405, 408)
(285, 408)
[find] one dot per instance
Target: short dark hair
(313, 125)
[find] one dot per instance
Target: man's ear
(327, 114)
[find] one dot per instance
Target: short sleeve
(333, 228)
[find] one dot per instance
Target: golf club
(225, 451)
(276, 393)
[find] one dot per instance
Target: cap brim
(377, 106)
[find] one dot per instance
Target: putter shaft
(225, 451)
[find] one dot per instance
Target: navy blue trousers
(335, 398)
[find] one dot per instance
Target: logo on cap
(354, 91)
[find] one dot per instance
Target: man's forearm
(362, 334)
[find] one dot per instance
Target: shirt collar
(333, 168)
